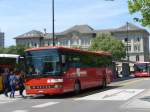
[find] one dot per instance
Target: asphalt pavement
(132, 95)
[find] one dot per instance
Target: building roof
(130, 27)
(31, 34)
(79, 28)
(104, 31)
(85, 29)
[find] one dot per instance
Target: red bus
(142, 69)
(57, 70)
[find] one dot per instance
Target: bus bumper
(45, 91)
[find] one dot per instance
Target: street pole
(53, 22)
(128, 65)
(127, 42)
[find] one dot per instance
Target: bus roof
(71, 49)
(9, 56)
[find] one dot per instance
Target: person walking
(5, 78)
(20, 83)
(12, 82)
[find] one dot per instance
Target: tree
(106, 42)
(18, 49)
(143, 8)
(1, 50)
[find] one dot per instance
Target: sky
(20, 16)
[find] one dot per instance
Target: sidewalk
(123, 78)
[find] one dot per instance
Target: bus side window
(64, 61)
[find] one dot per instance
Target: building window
(58, 43)
(138, 39)
(88, 42)
(135, 48)
(129, 48)
(75, 42)
(47, 43)
(61, 43)
(83, 42)
(35, 45)
(28, 44)
(65, 42)
(127, 40)
(137, 58)
(51, 43)
(138, 47)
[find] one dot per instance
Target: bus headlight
(27, 87)
(54, 80)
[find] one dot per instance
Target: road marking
(137, 104)
(4, 99)
(114, 95)
(20, 111)
(140, 102)
(3, 102)
(45, 105)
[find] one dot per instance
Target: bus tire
(77, 87)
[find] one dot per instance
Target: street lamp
(53, 22)
(127, 38)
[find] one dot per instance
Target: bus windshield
(143, 67)
(42, 63)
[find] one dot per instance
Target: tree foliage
(19, 49)
(106, 42)
(143, 8)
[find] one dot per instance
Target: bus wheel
(104, 84)
(77, 87)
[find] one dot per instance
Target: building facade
(137, 44)
(2, 39)
(135, 39)
(31, 39)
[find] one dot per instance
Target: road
(124, 96)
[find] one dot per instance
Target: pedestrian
(20, 83)
(12, 82)
(5, 78)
